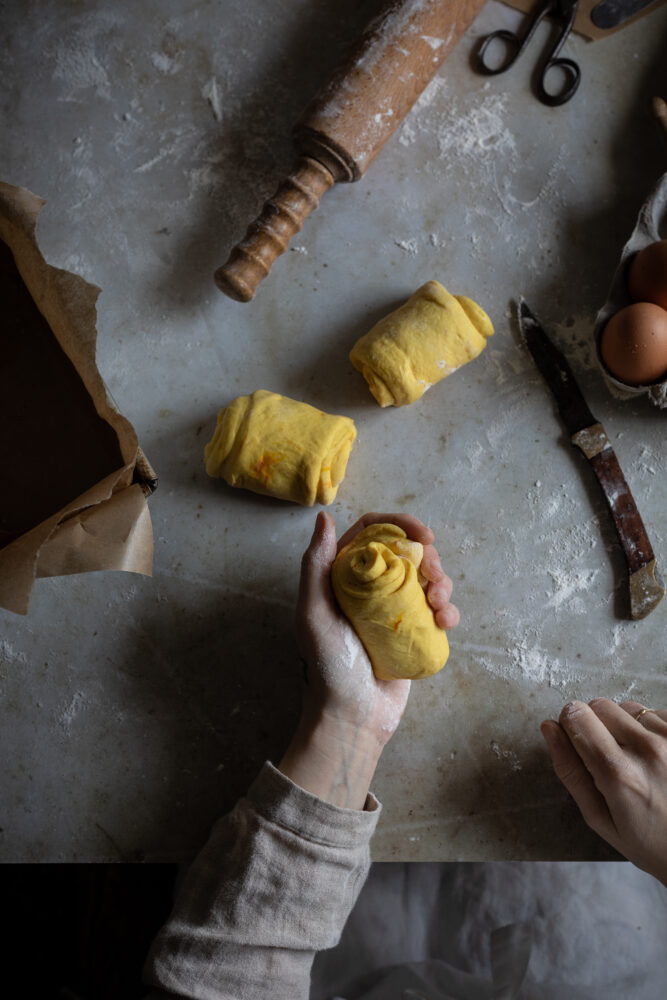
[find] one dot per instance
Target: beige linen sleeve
(274, 885)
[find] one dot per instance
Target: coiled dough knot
(376, 582)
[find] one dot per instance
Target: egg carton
(651, 226)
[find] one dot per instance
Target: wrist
(332, 758)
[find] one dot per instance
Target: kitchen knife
(645, 582)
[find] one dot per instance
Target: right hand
(615, 768)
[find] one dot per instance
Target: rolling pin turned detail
(348, 123)
(267, 237)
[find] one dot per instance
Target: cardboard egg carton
(650, 227)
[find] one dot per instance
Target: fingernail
(318, 529)
(574, 708)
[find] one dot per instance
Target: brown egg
(647, 275)
(634, 344)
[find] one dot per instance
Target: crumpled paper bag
(74, 479)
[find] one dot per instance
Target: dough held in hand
(417, 345)
(270, 444)
(376, 583)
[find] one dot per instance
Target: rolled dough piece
(270, 444)
(417, 345)
(376, 583)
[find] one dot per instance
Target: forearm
(332, 759)
(273, 886)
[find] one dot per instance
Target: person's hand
(348, 714)
(614, 765)
(340, 676)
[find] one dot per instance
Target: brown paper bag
(73, 480)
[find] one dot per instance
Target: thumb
(314, 586)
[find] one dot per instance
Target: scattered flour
(507, 755)
(408, 133)
(410, 246)
(211, 93)
(570, 588)
(77, 64)
(464, 132)
(172, 144)
(522, 659)
(475, 454)
(479, 131)
(77, 703)
(9, 655)
(167, 63)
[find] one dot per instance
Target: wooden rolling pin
(348, 122)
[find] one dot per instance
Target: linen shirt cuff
(281, 801)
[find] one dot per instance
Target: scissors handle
(565, 12)
(572, 79)
(514, 44)
(567, 9)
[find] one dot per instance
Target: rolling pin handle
(282, 216)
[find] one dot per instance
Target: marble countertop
(134, 710)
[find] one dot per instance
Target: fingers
(576, 778)
(431, 568)
(594, 743)
(447, 616)
(412, 526)
(626, 730)
(653, 721)
(608, 739)
(437, 594)
(438, 589)
(314, 584)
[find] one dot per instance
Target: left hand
(348, 715)
(340, 677)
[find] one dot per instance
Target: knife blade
(646, 587)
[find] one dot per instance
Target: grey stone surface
(133, 711)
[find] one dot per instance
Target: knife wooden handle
(628, 522)
(645, 583)
(597, 448)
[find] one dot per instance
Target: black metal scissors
(564, 12)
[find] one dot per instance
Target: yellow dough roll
(376, 583)
(417, 345)
(270, 444)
